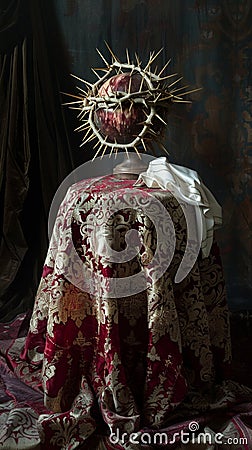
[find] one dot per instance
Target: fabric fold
(186, 185)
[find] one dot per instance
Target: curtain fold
(35, 152)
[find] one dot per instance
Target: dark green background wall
(210, 44)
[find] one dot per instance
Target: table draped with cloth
(109, 361)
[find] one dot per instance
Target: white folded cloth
(186, 185)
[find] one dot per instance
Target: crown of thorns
(155, 95)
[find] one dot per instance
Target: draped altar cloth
(152, 360)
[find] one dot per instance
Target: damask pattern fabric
(137, 363)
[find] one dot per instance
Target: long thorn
(82, 90)
(174, 82)
(102, 69)
(82, 127)
(190, 92)
(111, 52)
(104, 150)
(88, 140)
(160, 118)
(127, 56)
(166, 98)
(131, 104)
(87, 133)
(72, 103)
(137, 152)
(141, 84)
(81, 79)
(138, 60)
(71, 95)
(179, 89)
(167, 64)
(94, 71)
(111, 151)
(182, 101)
(167, 76)
(152, 58)
(98, 151)
(102, 57)
(97, 143)
(143, 144)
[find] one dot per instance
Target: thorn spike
(81, 79)
(152, 58)
(104, 150)
(138, 60)
(163, 69)
(137, 152)
(102, 57)
(190, 92)
(179, 89)
(127, 56)
(71, 95)
(130, 81)
(174, 82)
(94, 71)
(143, 144)
(111, 52)
(160, 118)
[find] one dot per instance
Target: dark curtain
(35, 154)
